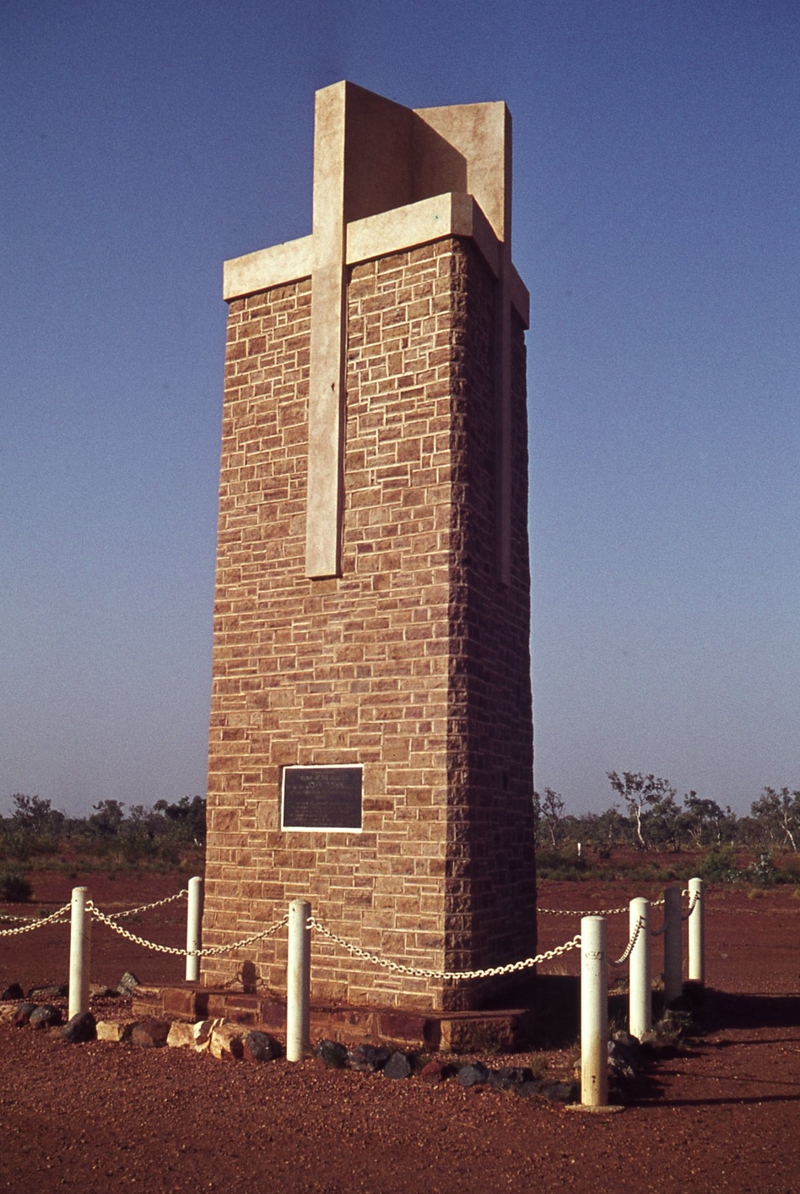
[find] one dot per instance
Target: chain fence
(356, 951)
(57, 917)
(211, 951)
(450, 975)
(29, 923)
(300, 922)
(179, 895)
(634, 937)
(592, 912)
(581, 911)
(659, 932)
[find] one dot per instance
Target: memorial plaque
(322, 798)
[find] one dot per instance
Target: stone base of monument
(501, 1029)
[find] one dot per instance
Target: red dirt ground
(723, 1116)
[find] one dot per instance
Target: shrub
(719, 865)
(790, 871)
(14, 887)
(551, 864)
(763, 872)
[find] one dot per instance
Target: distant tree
(612, 827)
(664, 822)
(601, 830)
(749, 832)
(779, 814)
(107, 818)
(705, 822)
(649, 799)
(189, 815)
(549, 811)
(35, 815)
(142, 821)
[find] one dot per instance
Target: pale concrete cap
(384, 177)
(377, 155)
(421, 223)
(388, 177)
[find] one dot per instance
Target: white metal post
(594, 1012)
(673, 945)
(640, 1016)
(80, 939)
(697, 963)
(194, 919)
(298, 980)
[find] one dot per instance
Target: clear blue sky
(657, 225)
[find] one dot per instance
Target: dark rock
(560, 1092)
(331, 1055)
(528, 1089)
(499, 1081)
(260, 1046)
(23, 1014)
(624, 1056)
(509, 1077)
(42, 994)
(677, 1022)
(657, 1046)
(399, 1065)
(368, 1059)
(45, 1016)
(13, 991)
(475, 1074)
(619, 1073)
(515, 1074)
(82, 1027)
(435, 1071)
(127, 984)
(150, 1033)
(101, 991)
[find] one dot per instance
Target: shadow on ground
(723, 1009)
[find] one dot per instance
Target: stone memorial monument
(371, 743)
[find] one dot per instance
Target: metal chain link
(629, 947)
(156, 904)
(581, 912)
(659, 932)
(692, 906)
(54, 918)
(112, 924)
(419, 972)
(224, 949)
(598, 912)
(33, 923)
(171, 949)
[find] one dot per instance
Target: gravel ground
(723, 1115)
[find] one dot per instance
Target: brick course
(414, 662)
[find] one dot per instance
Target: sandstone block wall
(414, 662)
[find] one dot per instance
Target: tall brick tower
(371, 744)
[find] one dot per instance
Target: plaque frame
(323, 828)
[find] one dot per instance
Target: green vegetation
(653, 838)
(14, 887)
(38, 837)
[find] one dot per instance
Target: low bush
(720, 865)
(552, 864)
(14, 887)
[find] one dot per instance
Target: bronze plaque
(322, 798)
